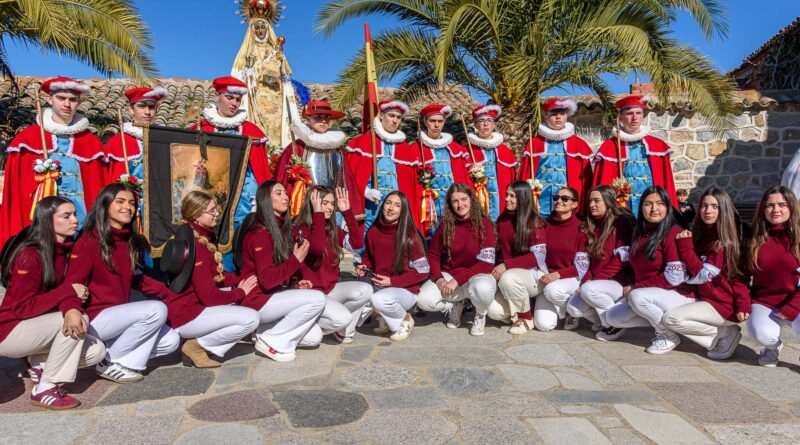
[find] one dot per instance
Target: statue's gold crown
(260, 9)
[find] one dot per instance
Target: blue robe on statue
(387, 182)
(490, 168)
(638, 172)
(70, 185)
(552, 173)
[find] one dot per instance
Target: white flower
(123, 178)
(535, 184)
(477, 170)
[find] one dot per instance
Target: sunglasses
(563, 198)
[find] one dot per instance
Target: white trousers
(699, 322)
(552, 305)
(646, 307)
(288, 316)
(134, 333)
(218, 328)
(393, 303)
(517, 287)
(765, 326)
(480, 289)
(41, 340)
(600, 295)
(580, 309)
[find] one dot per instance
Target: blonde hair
(193, 206)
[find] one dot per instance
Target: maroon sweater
(202, 291)
(666, 270)
(27, 298)
(616, 250)
(108, 288)
(467, 257)
(562, 244)
(775, 280)
(506, 231)
(321, 266)
(379, 257)
(257, 260)
(706, 265)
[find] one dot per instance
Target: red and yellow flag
(371, 88)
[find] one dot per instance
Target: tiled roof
(755, 55)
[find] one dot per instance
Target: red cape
(116, 156)
(19, 187)
(606, 169)
(506, 168)
(457, 164)
(259, 158)
(579, 165)
(359, 160)
(282, 175)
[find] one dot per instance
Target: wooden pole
(469, 144)
(122, 136)
(374, 150)
(530, 145)
(419, 139)
(619, 149)
(39, 113)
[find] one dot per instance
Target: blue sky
(201, 41)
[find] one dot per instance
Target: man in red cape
(559, 157)
(499, 162)
(397, 165)
(81, 171)
(645, 159)
(323, 150)
(444, 158)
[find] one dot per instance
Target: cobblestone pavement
(441, 386)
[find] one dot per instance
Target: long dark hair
(527, 218)
(661, 229)
(265, 215)
(449, 218)
(41, 236)
(761, 225)
(306, 218)
(728, 233)
(98, 220)
(407, 236)
(595, 244)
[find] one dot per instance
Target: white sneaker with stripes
(117, 373)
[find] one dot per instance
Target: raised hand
(342, 200)
(316, 201)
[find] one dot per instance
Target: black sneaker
(610, 334)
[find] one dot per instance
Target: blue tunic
(552, 173)
(443, 180)
(387, 182)
(490, 168)
(638, 172)
(246, 203)
(70, 185)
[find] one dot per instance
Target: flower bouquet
(477, 173)
(425, 177)
(300, 177)
(536, 187)
(623, 189)
(274, 155)
(132, 182)
(46, 173)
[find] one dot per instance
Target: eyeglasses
(214, 212)
(563, 198)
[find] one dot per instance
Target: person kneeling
(207, 316)
(461, 258)
(398, 276)
(41, 318)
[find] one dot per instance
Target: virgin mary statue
(262, 65)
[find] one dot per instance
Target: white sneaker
(597, 327)
(571, 323)
(726, 345)
(382, 328)
(769, 356)
(478, 325)
(521, 326)
(117, 373)
(609, 334)
(264, 348)
(454, 314)
(342, 338)
(404, 330)
(664, 343)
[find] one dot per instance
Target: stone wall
(744, 159)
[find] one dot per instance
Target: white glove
(372, 194)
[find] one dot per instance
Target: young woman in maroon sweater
(203, 313)
(107, 258)
(40, 319)
(713, 261)
(320, 270)
(659, 274)
(521, 260)
(773, 261)
(561, 279)
(270, 253)
(461, 258)
(607, 237)
(399, 275)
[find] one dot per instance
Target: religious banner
(178, 161)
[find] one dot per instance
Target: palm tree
(514, 50)
(108, 35)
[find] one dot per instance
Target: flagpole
(469, 144)
(371, 82)
(530, 145)
(40, 115)
(619, 149)
(122, 136)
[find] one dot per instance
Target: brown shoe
(194, 355)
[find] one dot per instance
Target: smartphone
(300, 238)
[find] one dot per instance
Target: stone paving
(441, 386)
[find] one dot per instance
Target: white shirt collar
(390, 138)
(330, 140)
(133, 130)
(644, 131)
(444, 140)
(218, 121)
(79, 123)
(493, 142)
(557, 135)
